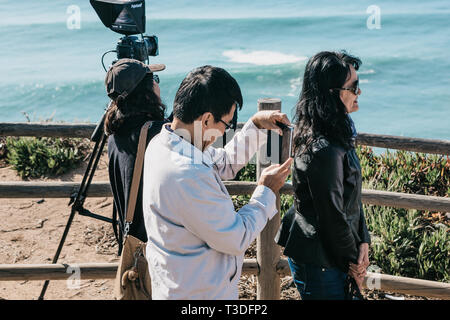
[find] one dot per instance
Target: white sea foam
(261, 58)
(294, 84)
(370, 71)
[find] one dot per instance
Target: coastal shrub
(405, 244)
(407, 172)
(409, 243)
(37, 157)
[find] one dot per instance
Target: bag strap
(137, 173)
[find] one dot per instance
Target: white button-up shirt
(196, 240)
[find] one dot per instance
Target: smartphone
(286, 142)
(291, 141)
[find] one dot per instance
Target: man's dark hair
(206, 89)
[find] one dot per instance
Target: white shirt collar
(181, 146)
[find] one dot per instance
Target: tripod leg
(58, 251)
(78, 203)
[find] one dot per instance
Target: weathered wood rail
(63, 271)
(102, 189)
(74, 130)
(268, 266)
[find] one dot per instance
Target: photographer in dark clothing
(324, 234)
(135, 95)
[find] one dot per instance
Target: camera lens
(152, 45)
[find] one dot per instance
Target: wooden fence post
(267, 251)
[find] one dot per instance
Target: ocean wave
(295, 85)
(261, 57)
(370, 71)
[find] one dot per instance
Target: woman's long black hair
(319, 110)
(141, 102)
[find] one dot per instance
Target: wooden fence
(268, 266)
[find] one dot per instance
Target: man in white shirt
(196, 240)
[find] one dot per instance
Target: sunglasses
(354, 90)
(156, 78)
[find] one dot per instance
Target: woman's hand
(358, 279)
(363, 258)
(358, 271)
(267, 120)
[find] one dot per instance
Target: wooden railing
(102, 189)
(83, 130)
(268, 266)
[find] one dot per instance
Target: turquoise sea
(48, 70)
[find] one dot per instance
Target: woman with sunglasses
(324, 234)
(135, 99)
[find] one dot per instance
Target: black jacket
(122, 149)
(326, 223)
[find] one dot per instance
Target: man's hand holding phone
(275, 175)
(269, 119)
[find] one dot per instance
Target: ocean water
(51, 71)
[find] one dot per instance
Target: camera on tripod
(132, 47)
(127, 17)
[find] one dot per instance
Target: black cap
(124, 76)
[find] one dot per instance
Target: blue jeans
(317, 283)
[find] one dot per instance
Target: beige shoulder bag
(133, 279)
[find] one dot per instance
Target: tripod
(77, 199)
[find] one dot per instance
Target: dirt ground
(30, 231)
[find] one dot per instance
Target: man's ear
(206, 118)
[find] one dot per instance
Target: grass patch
(38, 157)
(409, 243)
